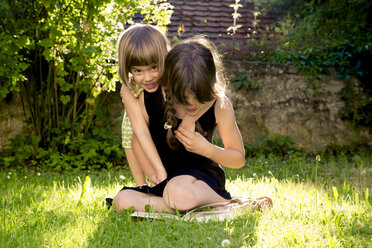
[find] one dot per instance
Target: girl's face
(193, 106)
(146, 76)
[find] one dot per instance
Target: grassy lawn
(316, 204)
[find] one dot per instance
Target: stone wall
(286, 105)
(283, 105)
(12, 120)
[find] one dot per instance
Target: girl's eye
(155, 67)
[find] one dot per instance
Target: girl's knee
(180, 197)
(122, 200)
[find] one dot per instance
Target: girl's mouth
(150, 86)
(192, 110)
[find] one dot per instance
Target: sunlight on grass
(298, 219)
(67, 210)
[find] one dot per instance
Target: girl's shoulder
(223, 110)
(223, 104)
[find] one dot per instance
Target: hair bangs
(179, 87)
(202, 88)
(143, 54)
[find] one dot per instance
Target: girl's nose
(148, 76)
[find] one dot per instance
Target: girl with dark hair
(182, 116)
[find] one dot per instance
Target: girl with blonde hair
(141, 54)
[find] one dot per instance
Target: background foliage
(59, 56)
(316, 35)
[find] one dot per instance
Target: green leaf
(65, 99)
(46, 43)
(63, 84)
(335, 193)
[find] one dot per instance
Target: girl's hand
(192, 141)
(157, 178)
(161, 175)
(154, 180)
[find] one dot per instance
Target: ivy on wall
(316, 35)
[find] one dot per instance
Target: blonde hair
(193, 66)
(141, 45)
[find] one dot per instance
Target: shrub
(60, 55)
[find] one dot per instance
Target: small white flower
(10, 173)
(122, 177)
(270, 173)
(8, 177)
(254, 174)
(317, 158)
(225, 243)
(39, 174)
(25, 177)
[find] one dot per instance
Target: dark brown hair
(195, 67)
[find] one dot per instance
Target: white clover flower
(25, 177)
(39, 174)
(317, 158)
(225, 243)
(122, 177)
(254, 174)
(270, 173)
(10, 173)
(8, 177)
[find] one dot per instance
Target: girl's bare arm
(233, 154)
(140, 129)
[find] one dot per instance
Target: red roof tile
(213, 17)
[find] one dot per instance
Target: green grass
(54, 209)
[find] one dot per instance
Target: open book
(213, 212)
(214, 215)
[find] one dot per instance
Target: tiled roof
(214, 17)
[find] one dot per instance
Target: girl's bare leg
(135, 167)
(186, 192)
(128, 198)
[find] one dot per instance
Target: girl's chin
(150, 88)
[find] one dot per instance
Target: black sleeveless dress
(180, 161)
